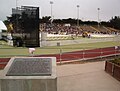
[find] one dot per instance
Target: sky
(63, 9)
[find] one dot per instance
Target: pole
(16, 3)
(78, 15)
(101, 53)
(60, 56)
(16, 15)
(83, 54)
(98, 16)
(51, 2)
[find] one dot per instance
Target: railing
(63, 55)
(113, 69)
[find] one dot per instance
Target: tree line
(114, 22)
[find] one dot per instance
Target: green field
(8, 51)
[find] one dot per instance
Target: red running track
(69, 56)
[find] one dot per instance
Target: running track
(70, 56)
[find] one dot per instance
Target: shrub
(116, 61)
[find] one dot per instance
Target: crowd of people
(63, 29)
(66, 29)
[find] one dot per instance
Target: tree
(115, 22)
(45, 19)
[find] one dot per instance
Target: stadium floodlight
(78, 15)
(51, 2)
(16, 15)
(98, 16)
(16, 3)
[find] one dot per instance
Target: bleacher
(86, 28)
(61, 29)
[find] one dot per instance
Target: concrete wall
(29, 85)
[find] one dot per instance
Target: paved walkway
(85, 77)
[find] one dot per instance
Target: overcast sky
(67, 8)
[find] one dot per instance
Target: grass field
(8, 51)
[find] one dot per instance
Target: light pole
(16, 3)
(16, 15)
(78, 15)
(51, 2)
(98, 16)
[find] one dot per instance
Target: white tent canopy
(2, 26)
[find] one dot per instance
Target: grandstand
(86, 28)
(113, 30)
(62, 32)
(103, 30)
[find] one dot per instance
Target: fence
(113, 69)
(63, 55)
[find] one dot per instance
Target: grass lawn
(8, 51)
